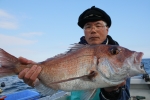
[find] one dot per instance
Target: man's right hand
(29, 75)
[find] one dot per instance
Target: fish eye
(114, 51)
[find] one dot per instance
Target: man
(95, 23)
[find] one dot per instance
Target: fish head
(118, 63)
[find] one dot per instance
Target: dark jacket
(123, 92)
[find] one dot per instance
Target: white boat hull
(139, 87)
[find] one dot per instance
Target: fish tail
(8, 62)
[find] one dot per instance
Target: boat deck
(139, 87)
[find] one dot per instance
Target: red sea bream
(84, 67)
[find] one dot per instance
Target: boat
(139, 88)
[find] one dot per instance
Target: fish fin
(7, 60)
(44, 91)
(75, 47)
(88, 94)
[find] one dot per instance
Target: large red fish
(84, 67)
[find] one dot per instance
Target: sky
(40, 29)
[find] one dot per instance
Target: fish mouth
(138, 60)
(138, 57)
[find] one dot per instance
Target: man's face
(95, 32)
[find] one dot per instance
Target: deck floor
(140, 90)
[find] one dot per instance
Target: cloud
(4, 14)
(30, 34)
(8, 25)
(7, 40)
(7, 21)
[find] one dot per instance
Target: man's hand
(29, 75)
(109, 89)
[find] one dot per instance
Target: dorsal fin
(72, 49)
(76, 46)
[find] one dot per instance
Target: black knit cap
(93, 14)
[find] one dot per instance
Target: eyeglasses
(96, 27)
